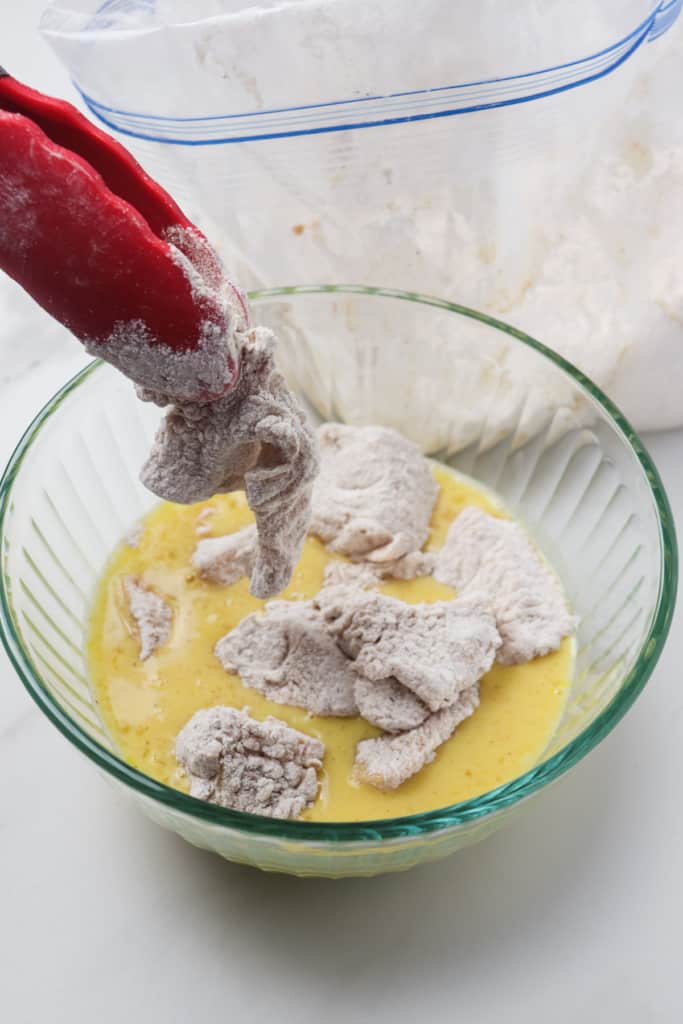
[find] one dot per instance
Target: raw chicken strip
(389, 705)
(374, 496)
(389, 761)
(226, 559)
(260, 767)
(256, 437)
(435, 650)
(495, 557)
(151, 615)
(287, 654)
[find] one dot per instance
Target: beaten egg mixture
(144, 704)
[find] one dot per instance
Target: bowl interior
(474, 394)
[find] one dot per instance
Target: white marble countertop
(573, 912)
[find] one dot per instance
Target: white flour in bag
(603, 286)
(606, 285)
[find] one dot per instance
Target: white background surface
(575, 912)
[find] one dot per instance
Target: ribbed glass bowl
(477, 395)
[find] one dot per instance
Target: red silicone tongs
(100, 245)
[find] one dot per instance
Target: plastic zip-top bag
(525, 159)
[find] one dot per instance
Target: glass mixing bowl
(475, 394)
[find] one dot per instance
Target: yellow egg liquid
(145, 704)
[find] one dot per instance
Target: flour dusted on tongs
(262, 767)
(257, 438)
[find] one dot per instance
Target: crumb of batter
(256, 438)
(260, 767)
(389, 761)
(133, 536)
(157, 369)
(495, 557)
(207, 366)
(374, 495)
(228, 558)
(204, 518)
(151, 615)
(435, 650)
(287, 654)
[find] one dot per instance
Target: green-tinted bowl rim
(391, 828)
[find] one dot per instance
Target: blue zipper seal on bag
(392, 108)
(664, 17)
